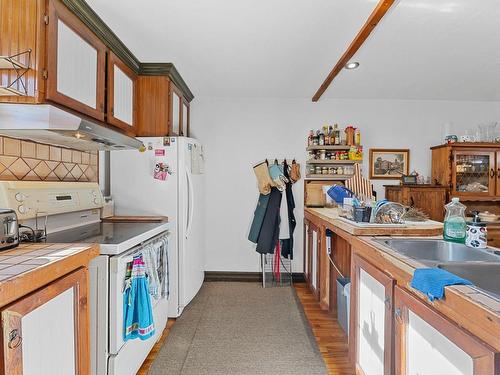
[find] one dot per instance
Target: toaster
(9, 229)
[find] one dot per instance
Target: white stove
(70, 213)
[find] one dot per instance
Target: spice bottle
(357, 137)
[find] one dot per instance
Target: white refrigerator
(167, 179)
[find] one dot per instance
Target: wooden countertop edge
(18, 286)
(461, 302)
(423, 231)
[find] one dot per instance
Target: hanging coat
(287, 244)
(258, 218)
(137, 309)
(269, 232)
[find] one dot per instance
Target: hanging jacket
(258, 218)
(269, 232)
(287, 244)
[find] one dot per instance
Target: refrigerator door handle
(190, 203)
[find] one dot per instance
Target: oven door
(117, 270)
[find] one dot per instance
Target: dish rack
(276, 270)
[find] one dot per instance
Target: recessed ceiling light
(352, 65)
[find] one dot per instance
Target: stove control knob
(20, 197)
(96, 201)
(22, 209)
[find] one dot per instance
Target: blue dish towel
(137, 309)
(432, 281)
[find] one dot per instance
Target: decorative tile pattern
(30, 161)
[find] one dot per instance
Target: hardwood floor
(154, 352)
(331, 339)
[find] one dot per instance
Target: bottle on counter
(336, 134)
(310, 138)
(455, 227)
(476, 232)
(321, 138)
(327, 137)
(349, 135)
(357, 137)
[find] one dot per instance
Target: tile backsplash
(30, 161)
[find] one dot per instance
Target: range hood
(49, 124)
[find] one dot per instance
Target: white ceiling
(423, 49)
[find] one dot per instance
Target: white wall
(237, 133)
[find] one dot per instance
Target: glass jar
(318, 170)
(324, 170)
(322, 154)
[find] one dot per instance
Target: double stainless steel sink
(481, 267)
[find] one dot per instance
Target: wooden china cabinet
(471, 171)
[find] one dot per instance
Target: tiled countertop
(29, 267)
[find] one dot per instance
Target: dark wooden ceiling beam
(378, 13)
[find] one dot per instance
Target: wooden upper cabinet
(175, 111)
(428, 343)
(121, 95)
(76, 61)
(185, 118)
(371, 323)
(46, 332)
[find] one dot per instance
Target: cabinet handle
(112, 111)
(412, 202)
(399, 315)
(387, 302)
(492, 173)
(498, 173)
(14, 339)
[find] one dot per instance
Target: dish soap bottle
(455, 227)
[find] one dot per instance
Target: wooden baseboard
(254, 277)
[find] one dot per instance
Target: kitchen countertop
(331, 215)
(461, 302)
(29, 267)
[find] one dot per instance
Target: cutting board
(135, 219)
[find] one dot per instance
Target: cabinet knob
(387, 302)
(399, 315)
(14, 339)
(492, 173)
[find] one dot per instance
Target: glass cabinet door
(474, 173)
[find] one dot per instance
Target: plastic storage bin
(343, 298)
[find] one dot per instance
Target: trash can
(343, 298)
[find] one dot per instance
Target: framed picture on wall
(389, 164)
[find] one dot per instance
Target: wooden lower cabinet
(371, 322)
(312, 256)
(428, 343)
(46, 332)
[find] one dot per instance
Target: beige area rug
(240, 328)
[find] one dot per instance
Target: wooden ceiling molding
(378, 13)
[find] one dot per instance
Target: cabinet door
(429, 200)
(185, 118)
(473, 174)
(314, 247)
(76, 61)
(46, 332)
(371, 325)
(428, 343)
(175, 111)
(498, 173)
(121, 91)
(394, 194)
